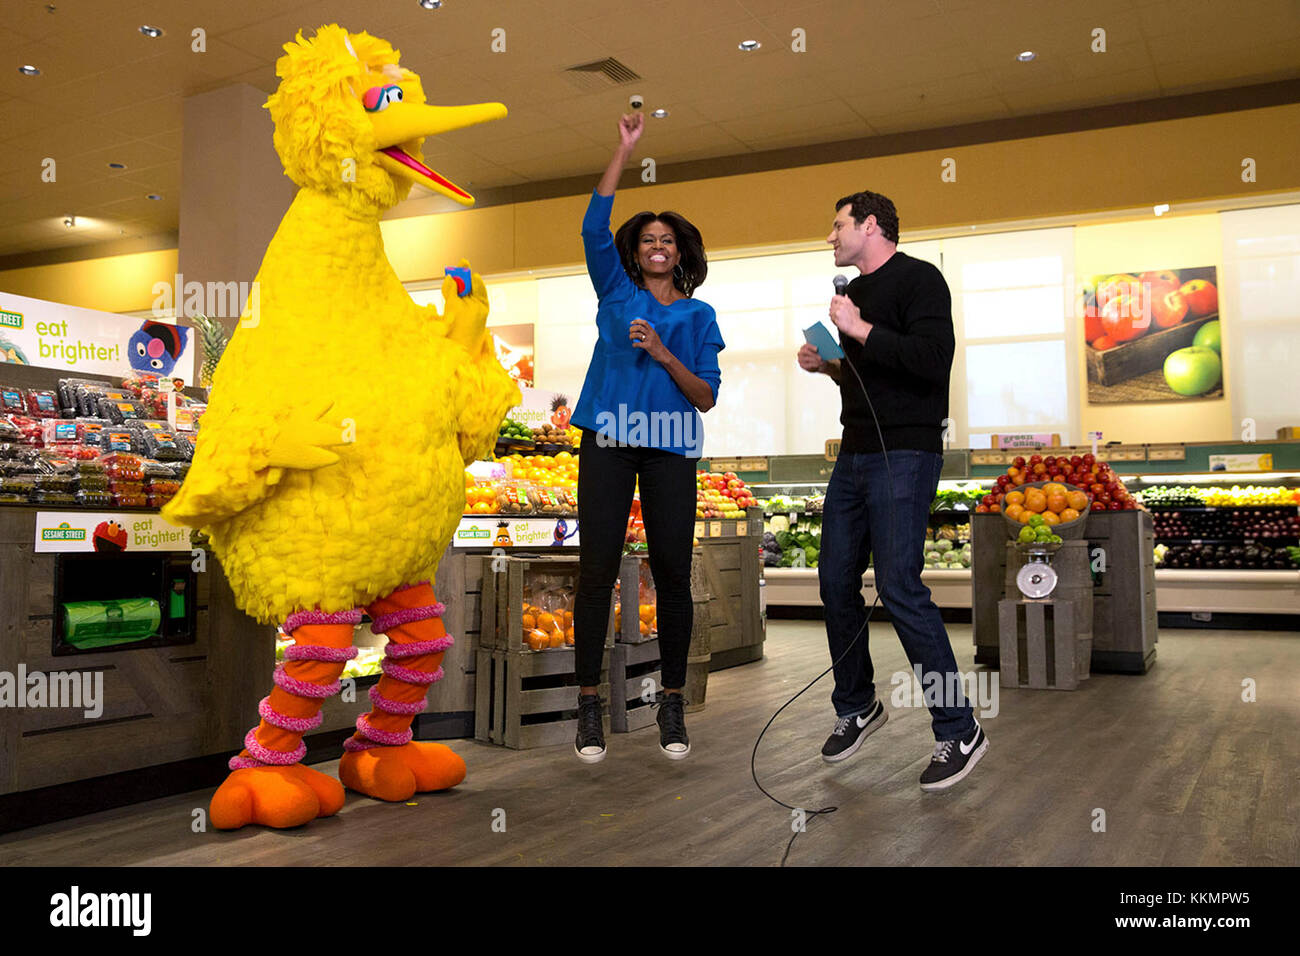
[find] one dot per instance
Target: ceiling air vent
(600, 75)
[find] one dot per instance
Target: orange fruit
(1036, 501)
(1068, 515)
(1076, 500)
(537, 640)
(481, 508)
(545, 621)
(645, 627)
(995, 508)
(1051, 517)
(1013, 511)
(1014, 498)
(1056, 502)
(647, 612)
(557, 638)
(1053, 488)
(1024, 516)
(530, 622)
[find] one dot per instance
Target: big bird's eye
(379, 98)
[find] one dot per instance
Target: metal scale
(1037, 579)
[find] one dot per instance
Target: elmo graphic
(109, 538)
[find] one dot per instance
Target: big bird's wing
(484, 390)
(248, 438)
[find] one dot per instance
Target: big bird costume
(329, 468)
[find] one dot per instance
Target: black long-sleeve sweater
(905, 362)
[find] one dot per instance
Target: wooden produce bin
(631, 667)
(162, 702)
(1123, 606)
(529, 699)
(734, 570)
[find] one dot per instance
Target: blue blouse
(627, 395)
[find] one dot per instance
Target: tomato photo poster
(1153, 336)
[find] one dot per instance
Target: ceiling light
(28, 70)
(1161, 209)
(659, 113)
(117, 165)
(154, 196)
(69, 222)
(749, 46)
(1026, 56)
(431, 4)
(152, 33)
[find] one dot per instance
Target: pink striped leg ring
(266, 755)
(418, 648)
(302, 688)
(409, 676)
(316, 652)
(299, 618)
(375, 737)
(276, 719)
(391, 706)
(407, 615)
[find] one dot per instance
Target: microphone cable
(753, 757)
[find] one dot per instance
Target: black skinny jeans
(606, 481)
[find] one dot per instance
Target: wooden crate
(1143, 355)
(629, 578)
(529, 699)
(1042, 646)
(630, 666)
(503, 598)
(732, 569)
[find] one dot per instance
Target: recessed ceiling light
(659, 113)
(69, 222)
(749, 46)
(152, 33)
(154, 196)
(1026, 56)
(431, 4)
(117, 165)
(1161, 209)
(28, 70)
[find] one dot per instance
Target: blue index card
(820, 338)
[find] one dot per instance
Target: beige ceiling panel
(1118, 88)
(588, 160)
(147, 117)
(823, 134)
(952, 114)
(266, 37)
(808, 117)
(669, 20)
(1118, 58)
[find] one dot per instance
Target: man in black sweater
(895, 327)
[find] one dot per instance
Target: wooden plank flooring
(1186, 772)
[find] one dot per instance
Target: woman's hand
(629, 130)
(644, 336)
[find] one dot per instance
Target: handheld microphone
(841, 283)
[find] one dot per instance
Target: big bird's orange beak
(399, 127)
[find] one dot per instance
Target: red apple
(1089, 460)
(1035, 459)
(1202, 297)
(1019, 462)
(1125, 318)
(1104, 343)
(1169, 309)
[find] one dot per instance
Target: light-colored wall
(111, 284)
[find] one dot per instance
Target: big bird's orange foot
(398, 773)
(277, 797)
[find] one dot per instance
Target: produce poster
(107, 533)
(73, 339)
(1153, 336)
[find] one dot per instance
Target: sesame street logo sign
(107, 533)
(64, 532)
(73, 339)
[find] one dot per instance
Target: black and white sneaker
(849, 733)
(589, 744)
(953, 760)
(672, 726)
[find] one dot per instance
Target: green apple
(1207, 336)
(1193, 370)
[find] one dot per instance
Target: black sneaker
(953, 759)
(589, 744)
(849, 733)
(672, 726)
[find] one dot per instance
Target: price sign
(715, 529)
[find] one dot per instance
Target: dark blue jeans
(862, 516)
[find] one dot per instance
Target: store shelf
(797, 587)
(1228, 592)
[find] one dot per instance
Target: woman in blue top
(654, 369)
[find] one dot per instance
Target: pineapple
(212, 334)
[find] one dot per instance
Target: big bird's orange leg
(381, 759)
(269, 785)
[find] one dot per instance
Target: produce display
(1100, 487)
(548, 613)
(721, 495)
(1218, 496)
(1237, 523)
(1037, 530)
(1227, 557)
(1211, 527)
(514, 430)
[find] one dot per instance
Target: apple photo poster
(1153, 336)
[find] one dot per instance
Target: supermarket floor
(1186, 772)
